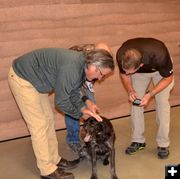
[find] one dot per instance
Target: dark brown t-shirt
(155, 55)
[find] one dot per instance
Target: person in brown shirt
(140, 61)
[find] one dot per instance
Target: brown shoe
(58, 174)
(67, 165)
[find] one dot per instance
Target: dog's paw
(114, 177)
(106, 162)
(94, 177)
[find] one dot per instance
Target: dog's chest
(101, 149)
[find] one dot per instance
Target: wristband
(84, 98)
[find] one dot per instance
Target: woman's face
(93, 72)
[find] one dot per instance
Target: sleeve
(166, 67)
(67, 92)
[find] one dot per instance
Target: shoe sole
(163, 157)
(132, 153)
(44, 177)
(69, 168)
(76, 162)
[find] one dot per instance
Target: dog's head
(97, 131)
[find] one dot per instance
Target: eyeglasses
(102, 75)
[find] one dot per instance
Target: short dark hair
(131, 59)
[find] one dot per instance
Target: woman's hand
(87, 113)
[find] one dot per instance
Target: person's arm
(126, 79)
(68, 97)
(163, 83)
(91, 105)
(87, 113)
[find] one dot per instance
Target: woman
(73, 125)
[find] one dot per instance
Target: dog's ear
(108, 128)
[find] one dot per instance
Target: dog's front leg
(113, 169)
(93, 161)
(112, 160)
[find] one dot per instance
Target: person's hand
(87, 113)
(92, 107)
(145, 100)
(132, 96)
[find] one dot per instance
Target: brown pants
(37, 113)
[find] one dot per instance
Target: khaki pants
(140, 83)
(37, 113)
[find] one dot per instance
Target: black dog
(99, 144)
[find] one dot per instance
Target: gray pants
(140, 83)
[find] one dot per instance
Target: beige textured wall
(30, 24)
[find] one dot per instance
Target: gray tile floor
(18, 162)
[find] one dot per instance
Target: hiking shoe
(67, 165)
(135, 147)
(163, 152)
(75, 147)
